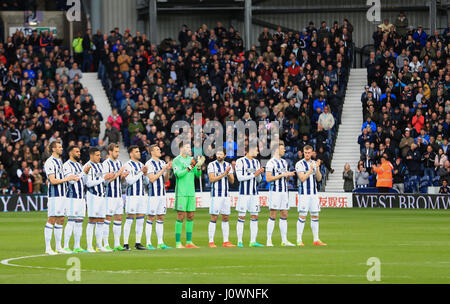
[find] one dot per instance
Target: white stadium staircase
(95, 87)
(346, 149)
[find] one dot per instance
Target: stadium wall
(169, 23)
(121, 14)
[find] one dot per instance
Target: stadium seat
(414, 183)
(436, 181)
(425, 182)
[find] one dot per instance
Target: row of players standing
(67, 197)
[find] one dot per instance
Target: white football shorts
(248, 203)
(156, 205)
(308, 203)
(220, 205)
(136, 205)
(114, 206)
(96, 205)
(75, 207)
(56, 206)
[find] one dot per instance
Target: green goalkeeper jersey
(185, 180)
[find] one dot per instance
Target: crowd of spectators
(41, 100)
(297, 78)
(406, 107)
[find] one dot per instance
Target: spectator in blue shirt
(420, 35)
(42, 101)
(425, 137)
(319, 103)
(371, 124)
(30, 71)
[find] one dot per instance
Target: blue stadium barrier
(436, 181)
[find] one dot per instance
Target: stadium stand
(291, 77)
(406, 106)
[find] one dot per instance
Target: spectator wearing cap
(401, 24)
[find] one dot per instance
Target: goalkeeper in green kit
(186, 169)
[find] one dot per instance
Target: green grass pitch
(413, 247)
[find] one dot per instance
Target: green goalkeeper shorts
(185, 203)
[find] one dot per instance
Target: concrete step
(347, 149)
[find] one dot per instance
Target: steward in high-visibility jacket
(384, 173)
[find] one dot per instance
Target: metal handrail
(362, 51)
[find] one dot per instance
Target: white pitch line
(7, 263)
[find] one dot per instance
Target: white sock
(127, 229)
(139, 229)
(300, 227)
(270, 227)
(90, 234)
(99, 233)
(58, 236)
(240, 229)
(117, 229)
(283, 229)
(253, 230)
(77, 232)
(106, 233)
(48, 231)
(211, 231)
(160, 231)
(225, 231)
(68, 232)
(315, 229)
(148, 232)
